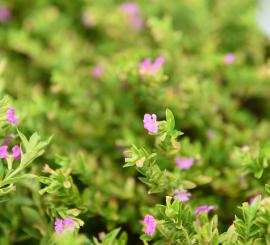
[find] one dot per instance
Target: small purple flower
(204, 208)
(136, 22)
(11, 116)
(150, 69)
(8, 138)
(229, 58)
(3, 152)
(252, 198)
(245, 148)
(182, 195)
(97, 71)
(69, 224)
(133, 12)
(64, 226)
(197, 222)
(150, 123)
(5, 14)
(211, 134)
(101, 235)
(129, 8)
(87, 19)
(58, 225)
(16, 152)
(184, 162)
(150, 224)
(157, 64)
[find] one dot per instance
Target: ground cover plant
(143, 122)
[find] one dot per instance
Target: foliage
(82, 75)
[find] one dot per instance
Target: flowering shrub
(142, 122)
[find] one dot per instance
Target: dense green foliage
(72, 70)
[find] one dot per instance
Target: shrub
(133, 122)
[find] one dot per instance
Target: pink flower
(97, 71)
(130, 8)
(229, 58)
(69, 224)
(3, 151)
(252, 198)
(8, 138)
(64, 226)
(150, 123)
(150, 224)
(181, 195)
(5, 14)
(87, 19)
(204, 208)
(16, 152)
(211, 134)
(184, 162)
(150, 69)
(136, 22)
(245, 148)
(133, 13)
(58, 225)
(197, 222)
(11, 116)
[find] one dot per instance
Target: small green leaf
(109, 239)
(267, 187)
(170, 120)
(145, 237)
(187, 184)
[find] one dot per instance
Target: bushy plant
(143, 122)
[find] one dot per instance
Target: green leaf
(170, 120)
(145, 237)
(267, 187)
(187, 184)
(31, 215)
(18, 178)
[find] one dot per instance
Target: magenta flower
(11, 116)
(182, 195)
(5, 14)
(58, 225)
(150, 224)
(184, 162)
(252, 198)
(150, 69)
(16, 152)
(133, 12)
(129, 8)
(69, 224)
(3, 152)
(150, 123)
(63, 226)
(204, 208)
(229, 58)
(97, 71)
